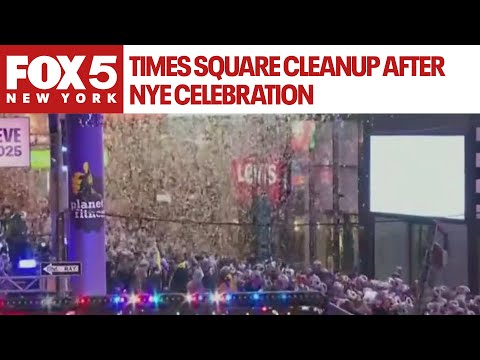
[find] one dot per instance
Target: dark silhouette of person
(83, 185)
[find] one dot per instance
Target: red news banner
(232, 79)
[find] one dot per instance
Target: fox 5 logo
(60, 72)
(64, 79)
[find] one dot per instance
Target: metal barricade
(20, 284)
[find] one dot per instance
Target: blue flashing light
(228, 298)
(283, 297)
(256, 297)
(27, 264)
(117, 300)
(156, 299)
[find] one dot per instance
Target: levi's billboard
(61, 79)
(252, 176)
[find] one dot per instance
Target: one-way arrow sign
(61, 268)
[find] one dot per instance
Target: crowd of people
(356, 294)
(151, 268)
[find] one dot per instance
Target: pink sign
(14, 142)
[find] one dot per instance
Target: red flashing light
(84, 300)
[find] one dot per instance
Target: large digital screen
(418, 175)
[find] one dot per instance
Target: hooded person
(397, 274)
(281, 283)
(208, 279)
(195, 286)
(157, 257)
(180, 277)
(327, 277)
(164, 271)
(154, 283)
(141, 273)
(240, 281)
(226, 283)
(270, 268)
(124, 274)
(302, 282)
(257, 281)
(110, 270)
(317, 285)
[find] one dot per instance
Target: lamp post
(58, 194)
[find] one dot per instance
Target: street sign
(61, 268)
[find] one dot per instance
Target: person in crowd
(3, 247)
(195, 286)
(154, 280)
(15, 225)
(15, 233)
(226, 281)
(125, 270)
(140, 276)
(110, 271)
(180, 278)
(209, 281)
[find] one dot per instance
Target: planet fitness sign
(85, 141)
(14, 142)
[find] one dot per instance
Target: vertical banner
(86, 240)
